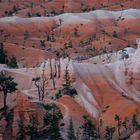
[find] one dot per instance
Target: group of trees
(41, 82)
(50, 129)
(7, 86)
(31, 130)
(67, 88)
(53, 116)
(11, 12)
(11, 61)
(88, 131)
(52, 126)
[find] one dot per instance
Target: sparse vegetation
(33, 31)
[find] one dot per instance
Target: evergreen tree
(69, 45)
(7, 85)
(67, 82)
(109, 131)
(67, 87)
(125, 123)
(134, 122)
(32, 128)
(89, 130)
(15, 9)
(12, 63)
(21, 135)
(3, 56)
(51, 122)
(42, 44)
(71, 132)
(54, 130)
(118, 119)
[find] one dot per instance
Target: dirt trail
(35, 99)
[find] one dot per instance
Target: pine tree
(42, 44)
(89, 130)
(21, 135)
(71, 132)
(125, 123)
(51, 122)
(15, 9)
(109, 131)
(67, 87)
(134, 122)
(12, 63)
(3, 56)
(67, 82)
(55, 130)
(32, 128)
(118, 119)
(7, 85)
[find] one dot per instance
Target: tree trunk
(51, 70)
(39, 95)
(4, 101)
(59, 69)
(55, 73)
(38, 89)
(119, 133)
(53, 82)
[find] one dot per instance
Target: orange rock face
(89, 33)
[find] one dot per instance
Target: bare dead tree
(44, 81)
(53, 80)
(51, 70)
(36, 83)
(52, 74)
(59, 64)
(59, 68)
(55, 66)
(41, 83)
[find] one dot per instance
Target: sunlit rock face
(134, 68)
(127, 75)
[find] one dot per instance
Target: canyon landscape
(69, 69)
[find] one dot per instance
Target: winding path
(27, 93)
